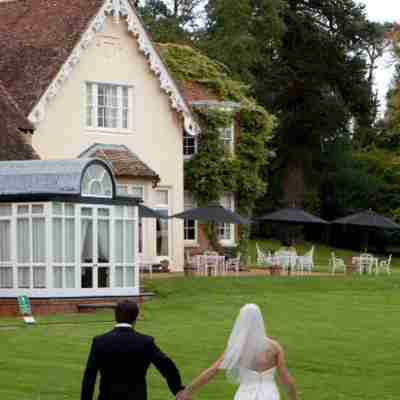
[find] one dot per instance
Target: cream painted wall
(157, 135)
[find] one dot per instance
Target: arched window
(97, 182)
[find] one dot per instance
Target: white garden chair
(145, 264)
(366, 263)
(336, 263)
(306, 261)
(384, 265)
(233, 264)
(262, 257)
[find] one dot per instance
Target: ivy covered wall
(213, 171)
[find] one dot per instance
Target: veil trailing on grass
(247, 341)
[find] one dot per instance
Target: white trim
(118, 8)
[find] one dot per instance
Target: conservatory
(64, 233)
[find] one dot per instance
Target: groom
(122, 356)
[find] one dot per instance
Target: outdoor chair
(145, 265)
(262, 257)
(384, 265)
(336, 263)
(286, 259)
(366, 263)
(233, 264)
(306, 261)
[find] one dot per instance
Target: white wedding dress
(257, 385)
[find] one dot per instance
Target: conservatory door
(95, 246)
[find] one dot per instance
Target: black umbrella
(292, 215)
(213, 213)
(367, 219)
(147, 212)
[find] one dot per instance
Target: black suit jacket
(122, 356)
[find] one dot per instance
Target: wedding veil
(247, 340)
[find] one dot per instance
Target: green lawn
(322, 253)
(341, 335)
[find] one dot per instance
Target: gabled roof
(41, 41)
(12, 123)
(122, 161)
(36, 37)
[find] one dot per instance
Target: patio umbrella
(213, 213)
(147, 212)
(292, 215)
(368, 219)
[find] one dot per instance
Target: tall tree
(173, 21)
(314, 76)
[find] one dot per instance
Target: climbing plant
(213, 171)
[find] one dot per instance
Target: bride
(250, 359)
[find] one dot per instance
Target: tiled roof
(194, 91)
(12, 121)
(123, 161)
(36, 37)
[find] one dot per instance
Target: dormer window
(97, 182)
(189, 145)
(108, 107)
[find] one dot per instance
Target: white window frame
(49, 213)
(224, 241)
(163, 207)
(195, 147)
(229, 146)
(88, 194)
(128, 191)
(93, 127)
(190, 242)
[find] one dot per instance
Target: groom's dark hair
(126, 312)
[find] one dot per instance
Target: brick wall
(9, 307)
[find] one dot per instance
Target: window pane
(190, 229)
(129, 241)
(103, 277)
(5, 241)
(162, 197)
(104, 212)
(39, 277)
(119, 211)
(58, 277)
(87, 241)
(137, 191)
(23, 240)
(130, 212)
(119, 277)
(130, 277)
(86, 212)
(122, 190)
(69, 240)
(23, 209)
(69, 210)
(103, 241)
(87, 277)
(162, 235)
(39, 240)
(37, 209)
(69, 277)
(57, 240)
(24, 279)
(89, 104)
(57, 208)
(119, 242)
(6, 277)
(5, 210)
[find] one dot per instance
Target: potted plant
(164, 264)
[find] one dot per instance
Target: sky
(383, 11)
